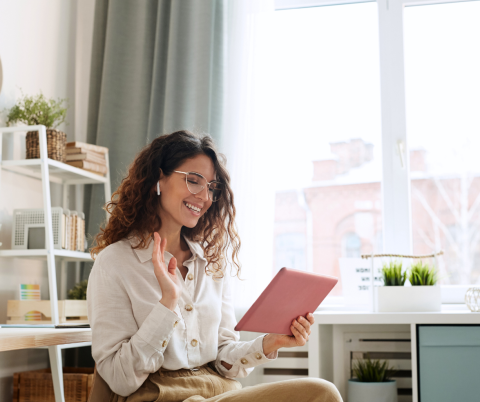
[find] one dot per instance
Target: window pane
(442, 56)
(325, 154)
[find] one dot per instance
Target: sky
(327, 67)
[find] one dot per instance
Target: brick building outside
(340, 215)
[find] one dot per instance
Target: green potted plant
(79, 291)
(423, 278)
(393, 274)
(76, 303)
(421, 296)
(372, 382)
(422, 274)
(38, 110)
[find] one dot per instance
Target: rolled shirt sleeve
(125, 353)
(243, 356)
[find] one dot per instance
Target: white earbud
(158, 187)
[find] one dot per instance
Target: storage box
(72, 311)
(37, 385)
(26, 220)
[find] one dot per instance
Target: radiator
(291, 363)
(394, 347)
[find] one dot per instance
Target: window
(346, 147)
(326, 149)
(290, 251)
(351, 245)
(442, 59)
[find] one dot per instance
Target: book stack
(88, 157)
(73, 230)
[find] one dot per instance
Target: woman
(159, 295)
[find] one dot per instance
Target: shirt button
(194, 342)
(190, 276)
(175, 324)
(258, 356)
(244, 361)
(164, 343)
(188, 307)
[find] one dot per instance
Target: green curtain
(157, 66)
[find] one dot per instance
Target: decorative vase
(472, 299)
(372, 391)
(390, 299)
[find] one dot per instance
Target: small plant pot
(391, 299)
(372, 391)
(56, 145)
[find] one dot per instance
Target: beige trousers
(208, 386)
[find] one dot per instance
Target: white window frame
(396, 200)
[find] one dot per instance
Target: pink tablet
(290, 293)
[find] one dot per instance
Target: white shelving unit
(51, 171)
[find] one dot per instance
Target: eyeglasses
(196, 183)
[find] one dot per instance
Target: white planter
(372, 391)
(408, 298)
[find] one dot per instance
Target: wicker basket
(56, 144)
(37, 385)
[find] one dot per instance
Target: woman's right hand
(167, 277)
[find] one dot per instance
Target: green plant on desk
(422, 275)
(368, 370)
(79, 291)
(392, 274)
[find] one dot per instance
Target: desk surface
(24, 338)
(367, 317)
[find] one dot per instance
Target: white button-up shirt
(133, 334)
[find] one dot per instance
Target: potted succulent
(422, 295)
(36, 110)
(372, 382)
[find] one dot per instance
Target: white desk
(54, 339)
(320, 364)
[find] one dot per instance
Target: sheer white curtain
(246, 142)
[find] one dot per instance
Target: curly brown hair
(134, 206)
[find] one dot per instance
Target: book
(88, 147)
(89, 157)
(73, 231)
(80, 233)
(68, 229)
(64, 228)
(93, 167)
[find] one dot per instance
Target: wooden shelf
(59, 172)
(66, 255)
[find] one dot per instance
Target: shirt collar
(145, 254)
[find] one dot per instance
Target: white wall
(45, 46)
